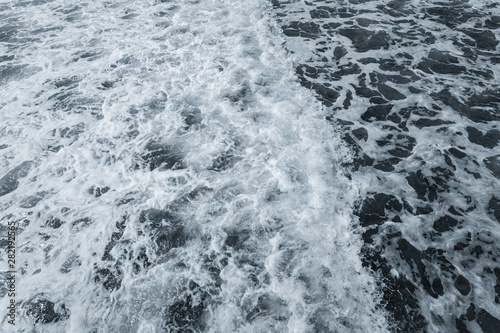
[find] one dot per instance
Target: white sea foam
(205, 88)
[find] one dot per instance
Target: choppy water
(414, 85)
(169, 174)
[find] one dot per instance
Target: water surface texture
(169, 173)
(414, 84)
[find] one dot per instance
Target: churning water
(168, 173)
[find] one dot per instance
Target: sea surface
(251, 166)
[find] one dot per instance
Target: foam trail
(172, 175)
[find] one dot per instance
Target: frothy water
(169, 174)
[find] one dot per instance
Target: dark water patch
(378, 100)
(302, 29)
(327, 11)
(414, 257)
(442, 175)
(319, 13)
(192, 117)
(457, 153)
(452, 15)
(98, 191)
(242, 96)
(141, 261)
(373, 210)
(411, 75)
(110, 278)
(414, 37)
(10, 181)
(54, 222)
(344, 70)
(377, 112)
(11, 72)
(453, 211)
(487, 322)
(33, 200)
(366, 92)
(442, 57)
(376, 77)
(170, 237)
(484, 39)
(165, 230)
(360, 159)
(360, 133)
(347, 101)
(187, 314)
(106, 85)
(8, 32)
(476, 115)
(493, 22)
(424, 210)
(403, 144)
(365, 22)
(115, 237)
(493, 164)
(389, 92)
(387, 165)
(414, 90)
(429, 122)
(87, 55)
(486, 74)
(431, 66)
(66, 82)
(81, 224)
(309, 71)
(267, 306)
(368, 60)
(422, 186)
(488, 97)
(489, 139)
(445, 223)
(462, 285)
(339, 52)
(398, 294)
(494, 207)
(417, 110)
(395, 119)
(163, 156)
(391, 65)
(497, 285)
(326, 95)
(236, 238)
(44, 311)
(365, 40)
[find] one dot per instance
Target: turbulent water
(414, 84)
(169, 173)
(251, 166)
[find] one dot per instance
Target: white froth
(101, 82)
